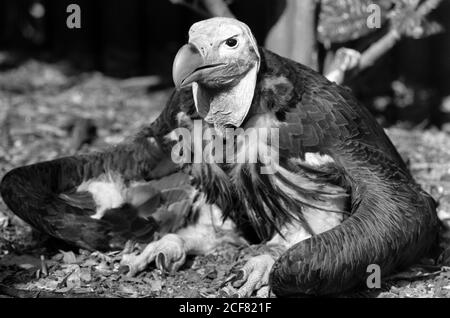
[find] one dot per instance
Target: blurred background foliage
(410, 84)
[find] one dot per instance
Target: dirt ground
(39, 103)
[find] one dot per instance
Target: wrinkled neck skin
(256, 92)
(228, 106)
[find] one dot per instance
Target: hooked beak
(189, 66)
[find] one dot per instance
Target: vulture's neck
(226, 107)
(276, 89)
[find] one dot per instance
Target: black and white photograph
(203, 149)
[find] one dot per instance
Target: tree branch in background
(294, 34)
(410, 24)
(427, 7)
(406, 20)
(378, 49)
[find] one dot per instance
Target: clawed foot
(253, 277)
(168, 253)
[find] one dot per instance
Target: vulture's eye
(231, 42)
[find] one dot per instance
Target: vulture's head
(221, 62)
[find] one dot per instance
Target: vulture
(322, 189)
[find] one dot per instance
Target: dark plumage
(392, 220)
(389, 220)
(44, 195)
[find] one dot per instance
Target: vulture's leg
(200, 237)
(254, 276)
(169, 253)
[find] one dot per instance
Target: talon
(124, 269)
(160, 262)
(240, 275)
(255, 274)
(228, 280)
(240, 278)
(168, 253)
(233, 278)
